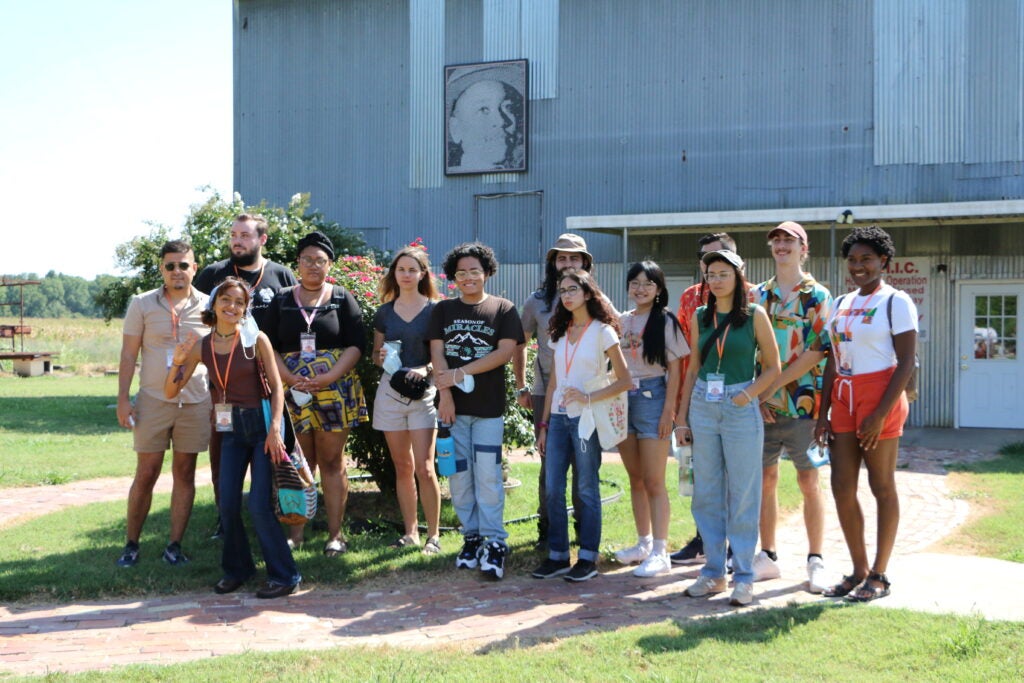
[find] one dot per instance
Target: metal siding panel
(995, 81)
(426, 93)
(540, 46)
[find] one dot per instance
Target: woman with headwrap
(317, 330)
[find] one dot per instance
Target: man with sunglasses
(265, 279)
(156, 321)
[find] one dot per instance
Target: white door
(991, 370)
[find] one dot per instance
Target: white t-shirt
(861, 333)
(633, 345)
(579, 362)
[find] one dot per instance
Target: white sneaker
(816, 580)
(633, 554)
(656, 563)
(705, 585)
(742, 594)
(765, 568)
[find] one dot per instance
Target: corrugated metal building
(654, 121)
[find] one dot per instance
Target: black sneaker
(130, 556)
(492, 559)
(728, 561)
(583, 570)
(173, 554)
(690, 553)
(549, 569)
(468, 557)
(542, 536)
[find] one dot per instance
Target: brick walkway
(464, 610)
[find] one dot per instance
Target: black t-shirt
(413, 334)
(275, 278)
(469, 332)
(338, 323)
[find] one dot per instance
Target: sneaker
(816, 580)
(656, 563)
(765, 568)
(218, 533)
(130, 556)
(583, 570)
(173, 554)
(705, 585)
(549, 569)
(492, 559)
(742, 594)
(633, 554)
(728, 560)
(691, 553)
(468, 557)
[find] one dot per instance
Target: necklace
(224, 336)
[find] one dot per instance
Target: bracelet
(542, 425)
(523, 390)
(750, 398)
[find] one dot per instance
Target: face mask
(587, 425)
(301, 398)
(467, 384)
(392, 362)
(249, 332)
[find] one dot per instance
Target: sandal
(849, 583)
(405, 542)
(874, 587)
(432, 546)
(335, 548)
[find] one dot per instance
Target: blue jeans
(727, 445)
(478, 492)
(239, 449)
(563, 442)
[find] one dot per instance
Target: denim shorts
(645, 407)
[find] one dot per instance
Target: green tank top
(739, 353)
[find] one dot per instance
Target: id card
(170, 357)
(845, 366)
(716, 387)
(222, 417)
(307, 346)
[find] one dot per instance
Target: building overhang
(894, 215)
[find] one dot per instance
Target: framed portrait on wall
(486, 114)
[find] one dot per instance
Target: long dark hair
(740, 313)
(549, 289)
(654, 330)
(597, 305)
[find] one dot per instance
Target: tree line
(58, 295)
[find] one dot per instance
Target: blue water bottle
(445, 450)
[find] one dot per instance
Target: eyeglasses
(310, 261)
(571, 290)
(180, 265)
(637, 284)
(471, 273)
(712, 277)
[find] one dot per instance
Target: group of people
(247, 353)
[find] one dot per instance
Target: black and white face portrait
(486, 117)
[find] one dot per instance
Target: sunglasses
(181, 265)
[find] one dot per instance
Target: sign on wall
(911, 274)
(485, 108)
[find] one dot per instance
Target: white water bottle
(392, 361)
(683, 453)
(818, 454)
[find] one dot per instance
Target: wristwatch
(523, 391)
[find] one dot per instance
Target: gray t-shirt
(413, 334)
(535, 323)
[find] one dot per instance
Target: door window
(995, 327)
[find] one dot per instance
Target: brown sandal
(849, 583)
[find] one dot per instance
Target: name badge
(845, 365)
(170, 357)
(307, 346)
(716, 387)
(222, 417)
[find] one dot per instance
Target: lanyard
(175, 318)
(258, 280)
(309, 317)
(569, 359)
(850, 314)
(223, 382)
(632, 336)
(720, 345)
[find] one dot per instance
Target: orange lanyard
(569, 359)
(720, 345)
(223, 381)
(258, 280)
(175, 318)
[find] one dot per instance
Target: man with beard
(265, 278)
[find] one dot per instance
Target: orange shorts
(854, 398)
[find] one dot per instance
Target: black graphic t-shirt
(469, 332)
(275, 277)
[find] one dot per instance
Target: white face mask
(249, 332)
(467, 383)
(392, 361)
(587, 424)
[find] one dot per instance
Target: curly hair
(209, 316)
(598, 306)
(388, 287)
(740, 312)
(873, 236)
(654, 330)
(481, 252)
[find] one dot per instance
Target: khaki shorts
(159, 423)
(393, 412)
(791, 436)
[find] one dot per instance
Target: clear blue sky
(112, 113)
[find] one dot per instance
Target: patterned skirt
(333, 409)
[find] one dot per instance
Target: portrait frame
(492, 135)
